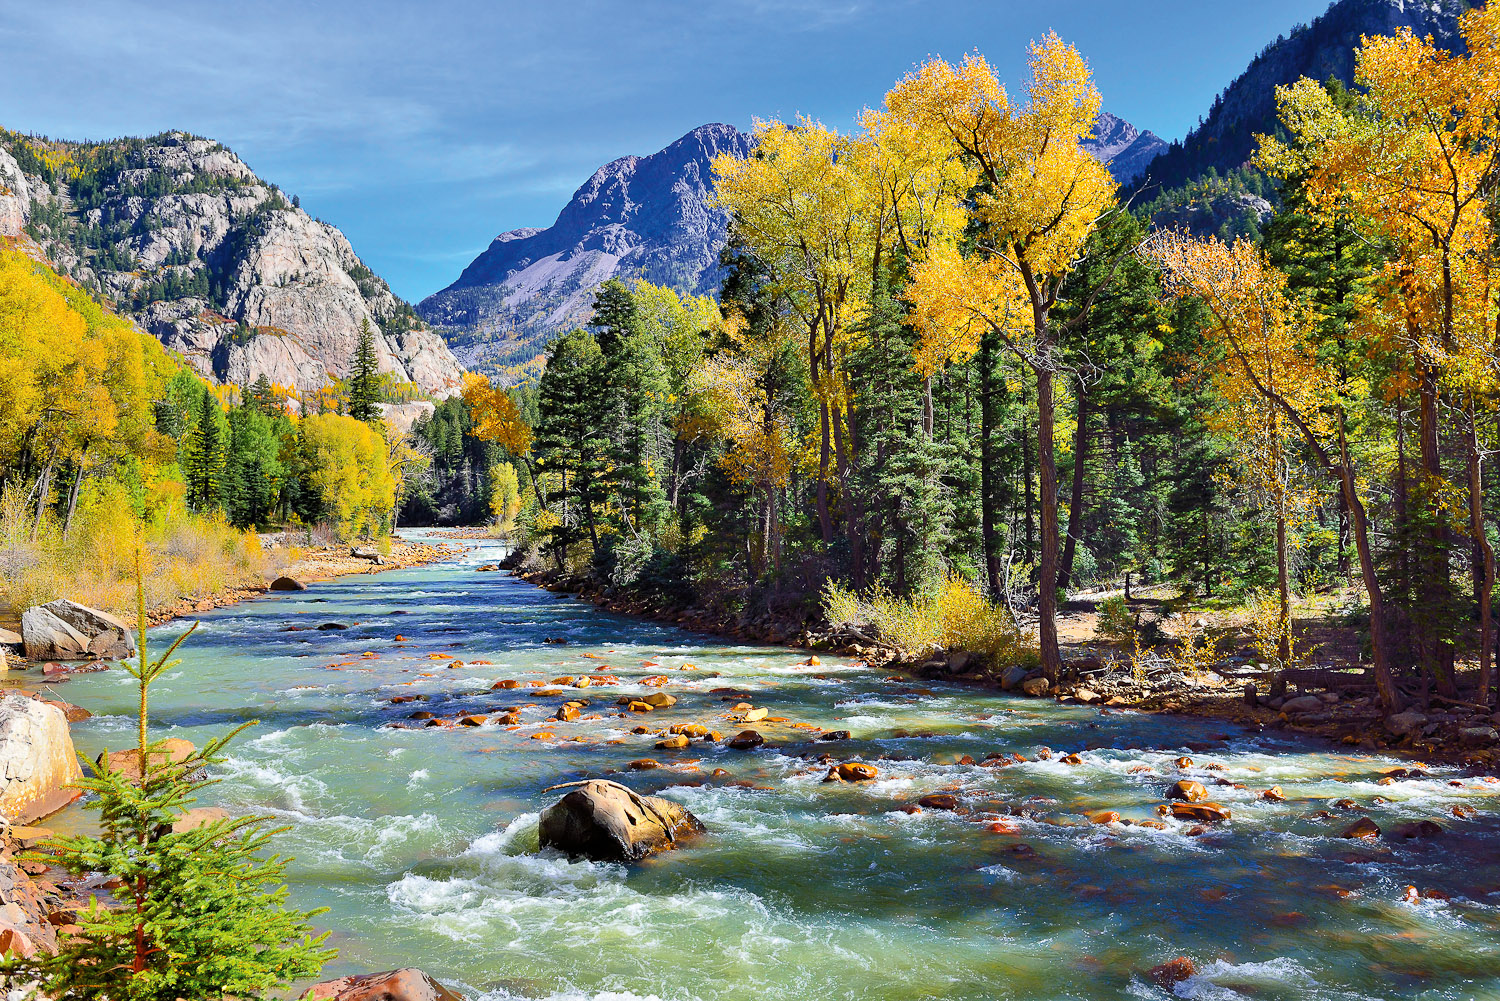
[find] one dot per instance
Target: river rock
(1363, 829)
(37, 761)
(746, 740)
(367, 553)
(1208, 813)
(852, 771)
(397, 985)
(10, 638)
(675, 742)
(1401, 724)
(1420, 829)
(1302, 704)
(939, 801)
(1012, 677)
(24, 928)
(1188, 791)
(1172, 972)
(1478, 736)
(287, 584)
(173, 750)
(606, 822)
(1036, 686)
(198, 816)
(659, 700)
(104, 636)
(835, 735)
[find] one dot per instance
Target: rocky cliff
(1225, 139)
(214, 261)
(1126, 149)
(645, 217)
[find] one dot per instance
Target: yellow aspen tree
(1268, 351)
(1417, 158)
(1039, 195)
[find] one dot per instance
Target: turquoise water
(422, 841)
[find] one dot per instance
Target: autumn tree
(1039, 195)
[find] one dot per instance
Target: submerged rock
(606, 822)
(1172, 972)
(396, 985)
(1188, 791)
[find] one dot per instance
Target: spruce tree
(204, 912)
(203, 453)
(364, 385)
(572, 440)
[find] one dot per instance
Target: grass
(187, 556)
(956, 616)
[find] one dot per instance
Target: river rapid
(422, 842)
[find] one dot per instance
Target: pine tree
(364, 384)
(205, 911)
(203, 454)
(572, 440)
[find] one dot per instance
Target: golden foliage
(350, 471)
(954, 617)
(496, 417)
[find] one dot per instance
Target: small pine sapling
(198, 913)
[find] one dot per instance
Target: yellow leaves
(350, 470)
(731, 402)
(496, 417)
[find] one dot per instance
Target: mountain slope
(213, 261)
(1225, 140)
(646, 217)
(636, 216)
(1122, 146)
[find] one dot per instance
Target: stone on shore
(66, 630)
(37, 761)
(24, 928)
(396, 985)
(287, 584)
(606, 822)
(1036, 686)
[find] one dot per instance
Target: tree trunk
(1385, 683)
(987, 475)
(73, 493)
(1026, 472)
(1047, 465)
(1487, 556)
(1075, 502)
(825, 518)
(1284, 622)
(1437, 653)
(43, 489)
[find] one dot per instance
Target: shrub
(1116, 624)
(954, 617)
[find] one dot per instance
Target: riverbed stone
(66, 630)
(1401, 724)
(1173, 972)
(1036, 686)
(1363, 829)
(1302, 704)
(1478, 736)
(1210, 813)
(395, 985)
(1012, 677)
(1188, 791)
(852, 771)
(285, 583)
(659, 700)
(606, 822)
(37, 761)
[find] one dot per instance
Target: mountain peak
(647, 216)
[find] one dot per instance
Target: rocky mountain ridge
(647, 217)
(184, 238)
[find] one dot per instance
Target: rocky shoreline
(1448, 733)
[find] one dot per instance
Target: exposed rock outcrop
(648, 216)
(1125, 149)
(37, 761)
(215, 262)
(66, 630)
(606, 822)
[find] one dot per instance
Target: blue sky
(424, 129)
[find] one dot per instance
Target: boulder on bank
(37, 762)
(24, 928)
(367, 553)
(395, 985)
(287, 584)
(171, 750)
(606, 822)
(66, 630)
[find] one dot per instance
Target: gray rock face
(66, 630)
(1122, 147)
(646, 216)
(606, 822)
(1403, 723)
(37, 762)
(1302, 704)
(219, 265)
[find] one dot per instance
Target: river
(422, 842)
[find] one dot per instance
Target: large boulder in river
(37, 762)
(396, 985)
(66, 630)
(606, 822)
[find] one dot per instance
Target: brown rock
(1274, 794)
(1363, 829)
(1188, 791)
(1172, 972)
(1104, 817)
(852, 771)
(397, 985)
(672, 743)
(689, 729)
(643, 764)
(939, 801)
(1208, 813)
(287, 584)
(746, 740)
(471, 721)
(197, 817)
(606, 822)
(567, 713)
(660, 700)
(173, 749)
(506, 683)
